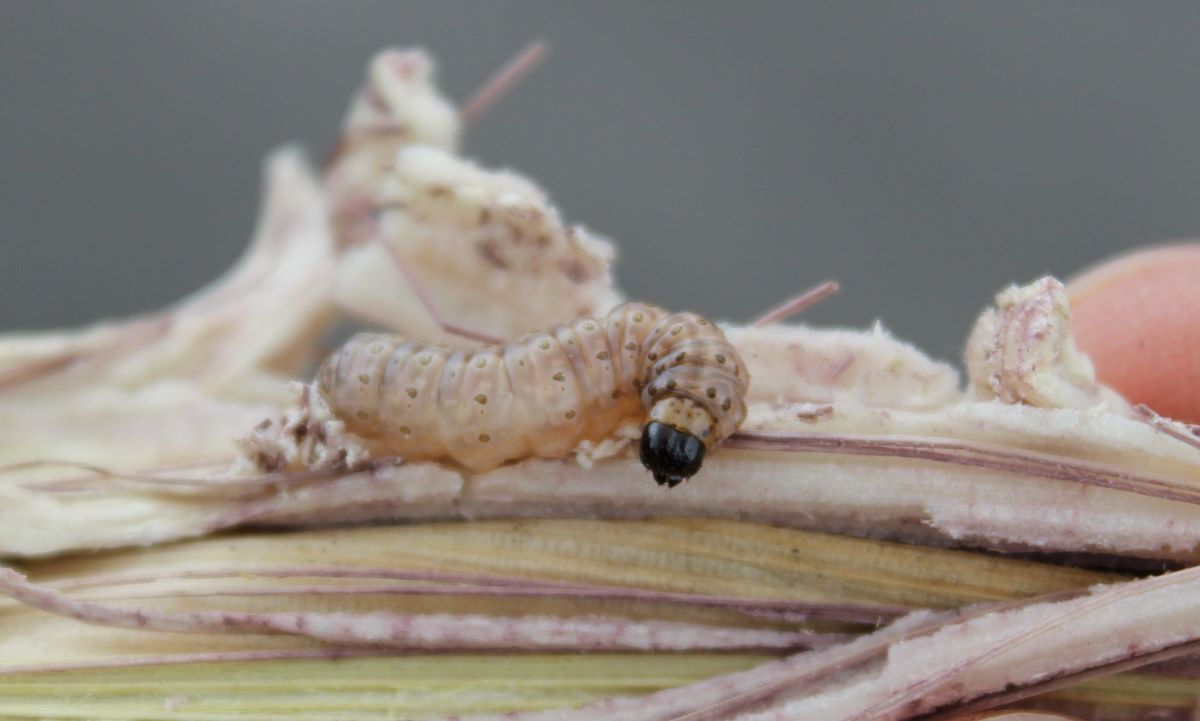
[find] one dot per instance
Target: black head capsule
(671, 455)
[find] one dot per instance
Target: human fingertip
(1138, 317)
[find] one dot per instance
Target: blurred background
(925, 155)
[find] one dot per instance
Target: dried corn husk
(707, 574)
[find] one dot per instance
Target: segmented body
(542, 394)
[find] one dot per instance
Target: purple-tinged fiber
(427, 632)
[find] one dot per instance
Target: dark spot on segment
(720, 358)
(481, 362)
(364, 378)
(405, 430)
(560, 376)
(652, 357)
(412, 392)
(481, 399)
(711, 392)
(670, 385)
(484, 438)
(569, 415)
(701, 321)
(544, 344)
(727, 405)
(425, 359)
(638, 317)
(631, 346)
(362, 415)
(602, 355)
(616, 394)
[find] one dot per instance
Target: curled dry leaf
(398, 105)
(123, 435)
(449, 238)
(430, 240)
(1022, 351)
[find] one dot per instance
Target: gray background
(924, 154)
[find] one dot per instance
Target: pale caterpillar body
(544, 393)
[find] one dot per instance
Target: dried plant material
(811, 572)
(986, 657)
(794, 364)
(1022, 351)
(398, 105)
(503, 81)
(720, 574)
(929, 663)
(905, 488)
(235, 338)
(1139, 694)
(309, 437)
(452, 237)
(164, 391)
(375, 689)
(905, 481)
(797, 304)
(425, 632)
(1184, 432)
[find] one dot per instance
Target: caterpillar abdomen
(544, 393)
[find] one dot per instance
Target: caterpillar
(542, 394)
